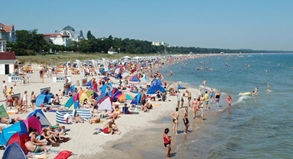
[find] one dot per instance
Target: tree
(90, 36)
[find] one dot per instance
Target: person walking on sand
(33, 100)
(178, 98)
(167, 142)
(175, 117)
(229, 100)
(4, 87)
(189, 97)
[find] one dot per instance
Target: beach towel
(63, 154)
(99, 131)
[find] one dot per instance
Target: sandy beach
(141, 135)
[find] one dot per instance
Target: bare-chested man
(189, 97)
(31, 147)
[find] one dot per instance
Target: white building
(157, 43)
(7, 32)
(112, 51)
(7, 59)
(71, 33)
(57, 39)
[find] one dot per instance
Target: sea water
(256, 126)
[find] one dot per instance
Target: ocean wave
(241, 99)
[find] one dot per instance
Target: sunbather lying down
(48, 109)
(94, 119)
(8, 120)
(109, 128)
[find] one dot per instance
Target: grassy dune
(63, 57)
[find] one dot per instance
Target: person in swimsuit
(195, 104)
(207, 98)
(107, 129)
(167, 142)
(204, 82)
(229, 100)
(218, 98)
(24, 99)
(212, 94)
(175, 116)
(33, 100)
(186, 123)
(31, 147)
(189, 97)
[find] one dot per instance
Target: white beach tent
(105, 104)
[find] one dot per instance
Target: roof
(7, 55)
(51, 35)
(68, 28)
(6, 28)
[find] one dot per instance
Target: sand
(82, 142)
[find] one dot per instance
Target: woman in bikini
(167, 142)
(175, 116)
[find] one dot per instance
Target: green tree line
(32, 43)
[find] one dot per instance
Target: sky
(233, 24)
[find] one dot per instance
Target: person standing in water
(218, 98)
(185, 120)
(212, 94)
(167, 142)
(268, 87)
(229, 100)
(189, 98)
(175, 117)
(256, 90)
(204, 82)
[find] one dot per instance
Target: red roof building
(7, 55)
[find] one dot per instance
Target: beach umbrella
(82, 95)
(125, 96)
(116, 95)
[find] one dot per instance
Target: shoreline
(147, 143)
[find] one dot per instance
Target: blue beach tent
(156, 82)
(14, 151)
(153, 89)
(43, 99)
(136, 99)
(9, 131)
